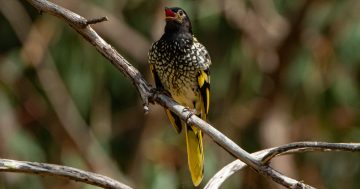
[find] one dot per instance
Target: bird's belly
(185, 96)
(180, 79)
(183, 88)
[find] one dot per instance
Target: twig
(97, 20)
(146, 92)
(310, 147)
(45, 169)
(266, 155)
(79, 23)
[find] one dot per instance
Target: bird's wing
(204, 84)
(194, 135)
(203, 77)
(156, 78)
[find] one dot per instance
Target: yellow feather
(207, 100)
(202, 78)
(195, 154)
(173, 121)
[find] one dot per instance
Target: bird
(180, 66)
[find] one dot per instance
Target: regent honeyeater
(180, 65)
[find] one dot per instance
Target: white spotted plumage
(181, 65)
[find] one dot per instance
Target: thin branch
(45, 169)
(79, 23)
(147, 92)
(310, 147)
(97, 20)
(266, 155)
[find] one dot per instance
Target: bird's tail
(195, 153)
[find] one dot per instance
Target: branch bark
(267, 155)
(44, 169)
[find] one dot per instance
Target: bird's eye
(181, 13)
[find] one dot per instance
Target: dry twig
(7, 165)
(268, 154)
(97, 20)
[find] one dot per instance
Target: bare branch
(310, 147)
(44, 169)
(266, 155)
(147, 92)
(79, 23)
(97, 20)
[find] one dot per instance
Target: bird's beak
(170, 15)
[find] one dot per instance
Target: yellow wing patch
(202, 78)
(207, 100)
(204, 84)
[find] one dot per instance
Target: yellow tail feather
(195, 153)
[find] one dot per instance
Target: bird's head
(177, 20)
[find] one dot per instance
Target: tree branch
(97, 20)
(45, 169)
(266, 155)
(80, 24)
(146, 92)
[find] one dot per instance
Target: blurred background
(283, 71)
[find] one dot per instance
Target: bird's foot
(191, 113)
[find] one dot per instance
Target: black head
(177, 21)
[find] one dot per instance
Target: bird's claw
(191, 113)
